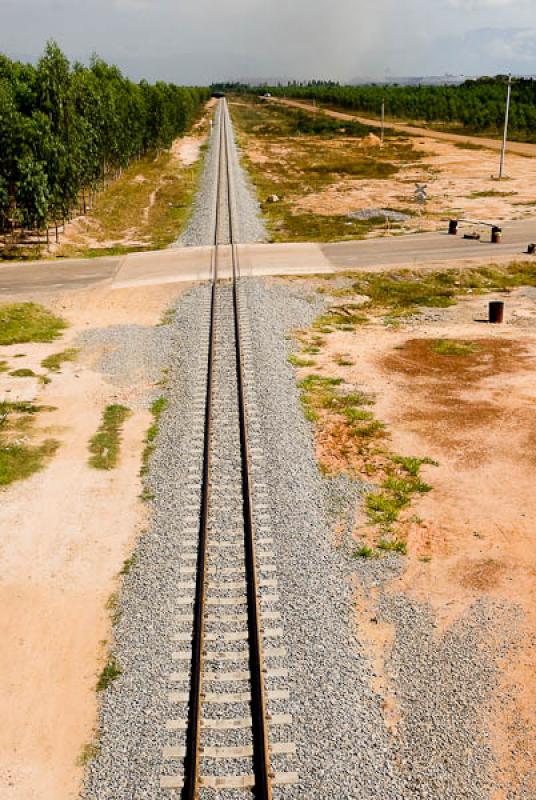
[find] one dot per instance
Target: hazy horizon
(338, 40)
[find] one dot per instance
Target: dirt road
(521, 148)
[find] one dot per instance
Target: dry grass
(145, 209)
(291, 159)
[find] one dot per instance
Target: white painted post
(505, 134)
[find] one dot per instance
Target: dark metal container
(496, 311)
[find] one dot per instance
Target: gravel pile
(132, 357)
(249, 225)
(373, 213)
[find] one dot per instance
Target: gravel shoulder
(405, 721)
(249, 225)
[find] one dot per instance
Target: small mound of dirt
(370, 141)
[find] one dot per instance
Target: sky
(201, 41)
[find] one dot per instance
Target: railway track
(234, 736)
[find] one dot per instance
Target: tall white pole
(505, 134)
(383, 121)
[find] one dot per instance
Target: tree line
(478, 105)
(67, 128)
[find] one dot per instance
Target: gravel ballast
(346, 748)
(249, 226)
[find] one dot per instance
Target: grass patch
(468, 146)
(104, 446)
(341, 317)
(402, 292)
(20, 460)
(392, 546)
(23, 372)
(344, 361)
(168, 316)
(412, 465)
(450, 347)
(110, 672)
(364, 552)
(112, 605)
(88, 753)
(55, 361)
(4, 367)
(28, 322)
(157, 409)
(296, 361)
(146, 495)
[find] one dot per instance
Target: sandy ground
(460, 183)
(474, 535)
(454, 178)
(64, 535)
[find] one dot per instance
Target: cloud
(202, 40)
(477, 5)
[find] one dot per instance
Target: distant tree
(32, 194)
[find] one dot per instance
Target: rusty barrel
(496, 234)
(453, 227)
(496, 311)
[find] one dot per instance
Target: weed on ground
(157, 409)
(104, 446)
(109, 674)
(24, 372)
(19, 458)
(55, 361)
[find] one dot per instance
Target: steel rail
(193, 738)
(261, 744)
(261, 750)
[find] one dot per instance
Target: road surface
(193, 263)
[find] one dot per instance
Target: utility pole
(505, 134)
(383, 121)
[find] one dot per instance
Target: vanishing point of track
(236, 749)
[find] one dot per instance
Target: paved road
(522, 148)
(422, 248)
(46, 276)
(188, 264)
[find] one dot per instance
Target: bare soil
(454, 179)
(65, 534)
(473, 536)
